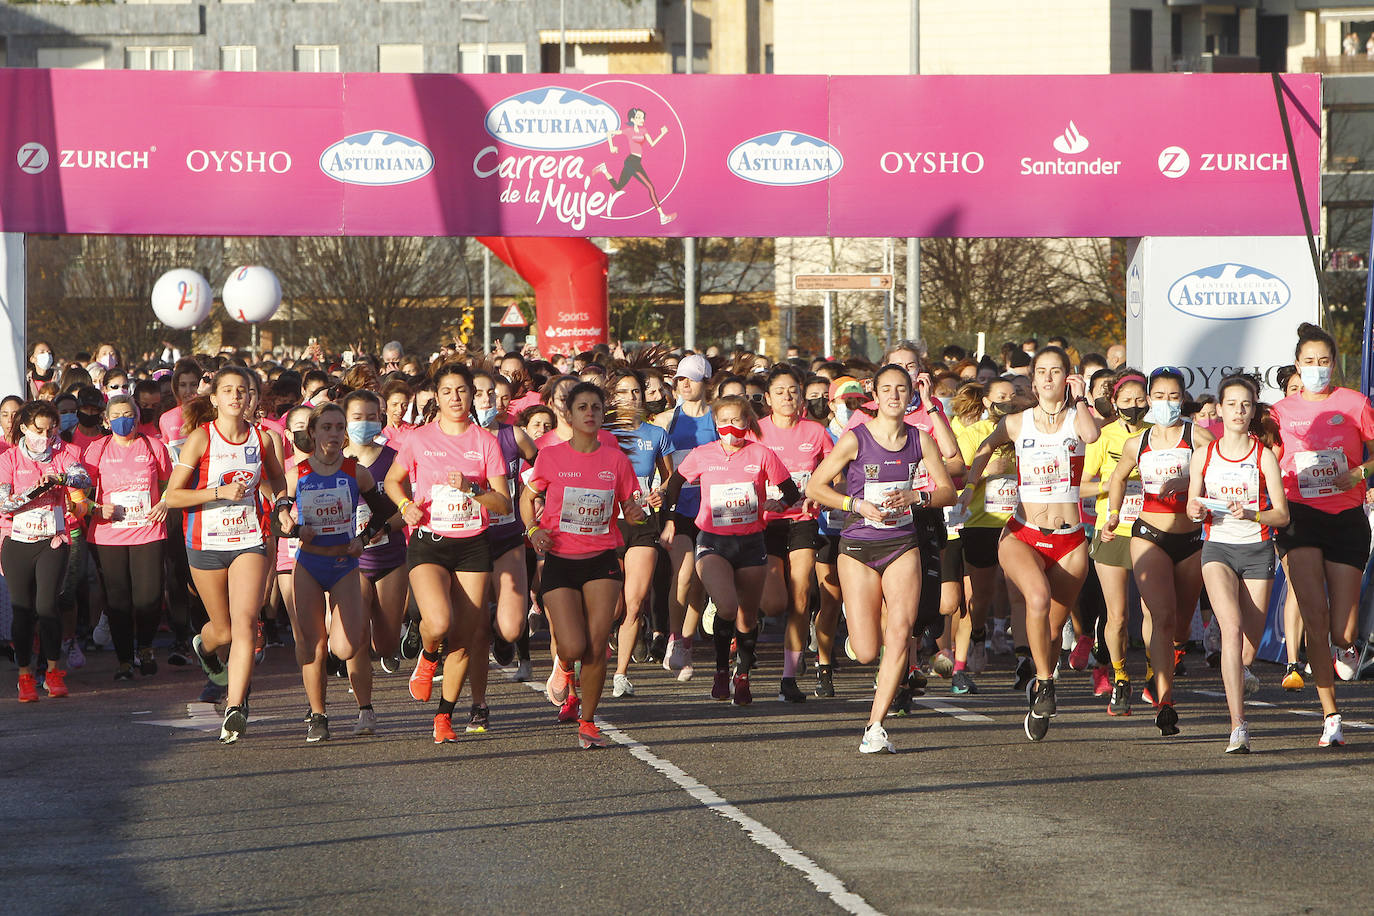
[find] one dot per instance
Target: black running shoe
(1166, 720)
(502, 652)
(410, 639)
(235, 724)
(825, 681)
(179, 655)
(318, 728)
(1025, 672)
(1120, 703)
(124, 673)
(789, 692)
(1037, 727)
(1041, 695)
(147, 664)
(901, 703)
(479, 720)
(658, 647)
(916, 682)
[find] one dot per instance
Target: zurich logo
(553, 119)
(376, 158)
(1229, 292)
(785, 158)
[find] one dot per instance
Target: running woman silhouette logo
(633, 167)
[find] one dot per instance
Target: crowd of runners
(423, 517)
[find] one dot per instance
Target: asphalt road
(117, 800)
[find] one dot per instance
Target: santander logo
(1071, 142)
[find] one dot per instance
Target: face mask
(944, 405)
(817, 408)
(67, 422)
(1315, 379)
(997, 410)
(123, 426)
(1104, 407)
(486, 414)
(1133, 415)
(41, 361)
(364, 431)
(842, 414)
(731, 435)
(88, 417)
(37, 442)
(301, 439)
(147, 414)
(108, 361)
(1164, 413)
(658, 405)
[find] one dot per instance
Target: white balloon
(252, 294)
(182, 298)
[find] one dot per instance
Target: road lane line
(1346, 723)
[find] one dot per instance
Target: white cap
(695, 367)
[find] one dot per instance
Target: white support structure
(13, 314)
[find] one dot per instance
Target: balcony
(1213, 63)
(1338, 65)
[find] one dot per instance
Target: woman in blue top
(325, 489)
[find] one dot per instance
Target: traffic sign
(842, 281)
(513, 318)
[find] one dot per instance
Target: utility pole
(913, 246)
(689, 245)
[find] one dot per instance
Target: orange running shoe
(422, 678)
(56, 683)
(443, 728)
(588, 735)
(556, 688)
(28, 689)
(570, 708)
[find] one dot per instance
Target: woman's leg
(119, 598)
(901, 592)
(639, 577)
(599, 599)
(1026, 573)
(828, 617)
(145, 574)
(1225, 591)
(246, 578)
(1154, 577)
(308, 628)
(512, 593)
(1307, 578)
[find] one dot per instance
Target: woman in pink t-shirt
(1327, 436)
(448, 480)
(582, 482)
(735, 473)
(128, 529)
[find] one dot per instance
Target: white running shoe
(678, 654)
(623, 687)
(1240, 740)
(1332, 736)
(75, 657)
(524, 670)
(1252, 683)
(367, 723)
(686, 673)
(101, 633)
(943, 663)
(708, 619)
(849, 650)
(977, 656)
(1001, 639)
(875, 741)
(1347, 661)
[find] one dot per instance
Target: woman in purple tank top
(879, 561)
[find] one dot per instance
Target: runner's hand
(541, 540)
(1196, 510)
(413, 515)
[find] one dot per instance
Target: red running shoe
(1082, 653)
(588, 735)
(422, 678)
(570, 709)
(28, 689)
(743, 695)
(443, 729)
(1102, 681)
(56, 683)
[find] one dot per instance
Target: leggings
(133, 593)
(634, 168)
(35, 573)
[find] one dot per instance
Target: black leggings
(34, 573)
(133, 594)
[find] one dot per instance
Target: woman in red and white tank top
(1044, 551)
(218, 474)
(1235, 489)
(1165, 542)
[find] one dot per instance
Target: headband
(1132, 377)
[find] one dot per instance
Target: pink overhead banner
(209, 153)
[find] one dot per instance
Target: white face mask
(842, 414)
(1315, 379)
(41, 361)
(1164, 413)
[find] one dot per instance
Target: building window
(73, 58)
(157, 58)
(238, 58)
(1350, 139)
(701, 57)
(317, 58)
(767, 58)
(400, 58)
(1142, 40)
(491, 58)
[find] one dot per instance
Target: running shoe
(410, 639)
(235, 725)
(1041, 696)
(259, 645)
(849, 650)
(213, 693)
(125, 672)
(210, 663)
(588, 735)
(1211, 643)
(556, 688)
(621, 686)
(1332, 736)
(743, 696)
(916, 681)
(1025, 672)
(101, 634)
(1252, 683)
(479, 720)
(502, 652)
(366, 724)
(658, 648)
(686, 673)
(1082, 653)
(318, 728)
(28, 689)
(962, 684)
(978, 653)
(708, 620)
(825, 681)
(422, 679)
(1001, 639)
(1292, 678)
(1102, 681)
(390, 663)
(524, 670)
(943, 663)
(1166, 720)
(1120, 703)
(677, 655)
(1147, 693)
(900, 707)
(1037, 727)
(1240, 740)
(875, 740)
(789, 692)
(570, 709)
(720, 686)
(443, 729)
(77, 658)
(1180, 669)
(179, 655)
(1347, 664)
(147, 662)
(56, 683)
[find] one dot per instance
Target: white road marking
(1345, 723)
(938, 705)
(200, 717)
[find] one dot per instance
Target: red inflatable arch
(569, 280)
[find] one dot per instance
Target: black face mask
(997, 410)
(1105, 407)
(656, 406)
(1133, 415)
(88, 418)
(817, 409)
(302, 441)
(147, 414)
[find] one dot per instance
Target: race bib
(734, 504)
(35, 524)
(586, 511)
(361, 517)
(327, 510)
(1227, 485)
(877, 492)
(1134, 502)
(509, 517)
(452, 510)
(229, 524)
(1045, 470)
(1317, 472)
(800, 478)
(1001, 495)
(1159, 467)
(132, 508)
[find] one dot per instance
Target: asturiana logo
(376, 157)
(785, 158)
(553, 119)
(1229, 292)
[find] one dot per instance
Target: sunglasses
(1165, 370)
(114, 387)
